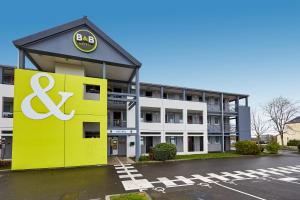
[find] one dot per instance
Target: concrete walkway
(113, 160)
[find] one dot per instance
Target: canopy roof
(48, 47)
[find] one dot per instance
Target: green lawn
(197, 156)
(207, 156)
(130, 196)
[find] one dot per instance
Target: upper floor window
(148, 93)
(7, 76)
(217, 121)
(194, 117)
(173, 116)
(217, 101)
(189, 97)
(92, 92)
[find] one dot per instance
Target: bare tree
(258, 125)
(280, 111)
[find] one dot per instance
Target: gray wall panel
(244, 123)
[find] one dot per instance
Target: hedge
(293, 143)
(273, 147)
(247, 148)
(164, 151)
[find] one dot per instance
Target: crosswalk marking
(222, 178)
(130, 175)
(185, 180)
(271, 172)
(166, 181)
(136, 182)
(259, 173)
(280, 170)
(236, 176)
(126, 171)
(202, 178)
(129, 167)
(250, 175)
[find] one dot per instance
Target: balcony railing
(212, 128)
(117, 123)
(229, 108)
(213, 108)
(7, 115)
(229, 128)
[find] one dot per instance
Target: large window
(92, 92)
(150, 115)
(194, 117)
(91, 129)
(195, 143)
(176, 139)
(173, 116)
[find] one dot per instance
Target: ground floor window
(214, 139)
(195, 143)
(177, 140)
(6, 147)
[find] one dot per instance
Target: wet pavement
(271, 177)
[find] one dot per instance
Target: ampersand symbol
(41, 93)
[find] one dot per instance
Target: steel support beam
(137, 116)
(222, 122)
(21, 59)
(104, 71)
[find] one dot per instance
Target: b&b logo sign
(85, 41)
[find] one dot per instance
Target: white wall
(61, 68)
(6, 91)
(163, 128)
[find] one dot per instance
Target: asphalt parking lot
(270, 177)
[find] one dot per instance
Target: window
(148, 93)
(173, 116)
(6, 132)
(7, 107)
(165, 95)
(217, 121)
(189, 98)
(217, 140)
(91, 92)
(216, 101)
(8, 76)
(91, 129)
(194, 117)
(195, 143)
(148, 117)
(200, 98)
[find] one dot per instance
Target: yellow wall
(51, 142)
(292, 133)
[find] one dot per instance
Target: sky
(249, 47)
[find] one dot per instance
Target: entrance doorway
(117, 146)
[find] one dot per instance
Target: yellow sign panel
(51, 114)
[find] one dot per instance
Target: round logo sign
(85, 41)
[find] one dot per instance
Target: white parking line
(245, 193)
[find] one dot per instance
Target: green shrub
(144, 158)
(151, 156)
(164, 151)
(261, 147)
(247, 148)
(273, 147)
(293, 143)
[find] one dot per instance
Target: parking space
(271, 177)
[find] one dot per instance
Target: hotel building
(138, 115)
